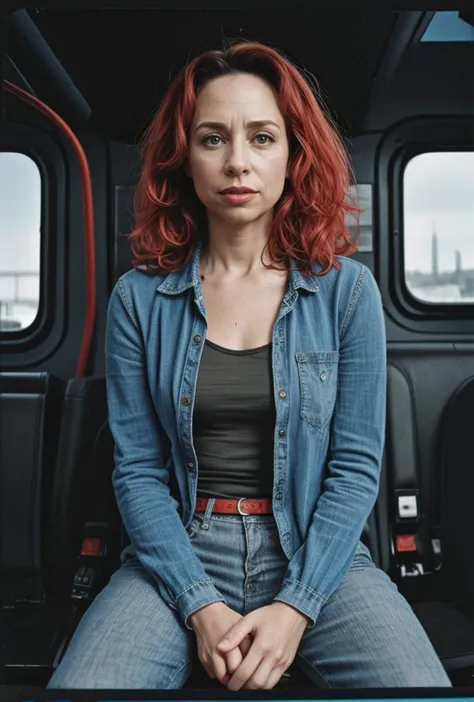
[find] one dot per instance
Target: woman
(243, 344)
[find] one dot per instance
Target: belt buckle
(239, 510)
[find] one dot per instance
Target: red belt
(246, 505)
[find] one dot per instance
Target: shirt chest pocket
(318, 386)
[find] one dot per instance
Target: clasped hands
(250, 652)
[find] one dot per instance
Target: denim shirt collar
(189, 276)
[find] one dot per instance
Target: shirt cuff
(301, 598)
(196, 596)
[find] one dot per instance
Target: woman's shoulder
(348, 272)
(137, 291)
(345, 285)
(140, 279)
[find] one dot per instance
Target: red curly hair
(309, 218)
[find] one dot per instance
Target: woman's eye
(265, 137)
(211, 140)
(214, 139)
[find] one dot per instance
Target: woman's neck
(236, 251)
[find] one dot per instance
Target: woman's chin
(237, 216)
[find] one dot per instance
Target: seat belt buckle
(407, 505)
(408, 555)
(93, 546)
(90, 560)
(84, 582)
(406, 543)
(413, 545)
(94, 540)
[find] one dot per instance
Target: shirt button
(282, 432)
(323, 376)
(197, 338)
(191, 465)
(185, 400)
(282, 394)
(279, 495)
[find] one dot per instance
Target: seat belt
(412, 548)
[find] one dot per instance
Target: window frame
(38, 340)
(406, 140)
(26, 331)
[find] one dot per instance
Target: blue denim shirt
(329, 376)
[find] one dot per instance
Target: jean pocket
(318, 386)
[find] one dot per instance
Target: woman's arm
(141, 476)
(356, 447)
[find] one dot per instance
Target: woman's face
(238, 140)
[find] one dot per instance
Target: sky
(20, 222)
(438, 195)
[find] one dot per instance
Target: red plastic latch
(406, 542)
(90, 546)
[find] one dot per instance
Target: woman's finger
(246, 669)
(234, 659)
(218, 666)
(236, 634)
(273, 679)
(245, 645)
(261, 675)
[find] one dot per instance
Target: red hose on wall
(88, 212)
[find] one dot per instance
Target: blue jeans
(366, 634)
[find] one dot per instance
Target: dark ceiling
(121, 60)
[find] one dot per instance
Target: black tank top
(234, 422)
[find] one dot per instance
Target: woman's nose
(237, 162)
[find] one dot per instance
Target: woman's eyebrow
(252, 125)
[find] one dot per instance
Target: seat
(450, 621)
(56, 467)
(83, 500)
(83, 491)
(441, 597)
(457, 490)
(30, 415)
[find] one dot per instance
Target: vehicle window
(361, 195)
(438, 227)
(20, 241)
(448, 26)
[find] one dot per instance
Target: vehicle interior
(78, 87)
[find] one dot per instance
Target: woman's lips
(238, 198)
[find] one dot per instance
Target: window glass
(448, 26)
(361, 195)
(20, 241)
(439, 227)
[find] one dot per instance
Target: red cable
(88, 212)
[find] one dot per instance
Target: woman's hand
(276, 632)
(210, 625)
